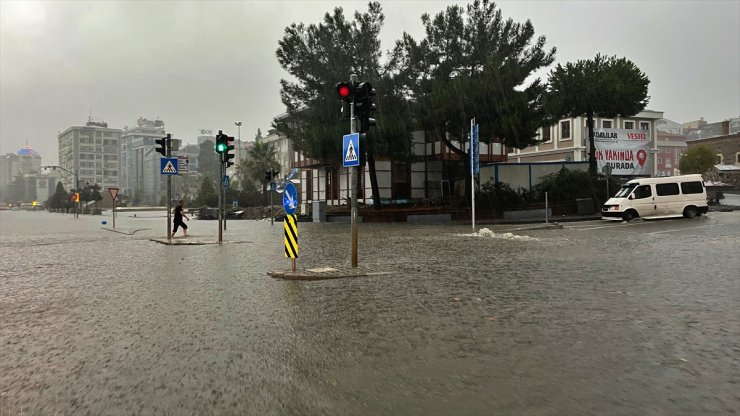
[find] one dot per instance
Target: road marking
(680, 229)
(616, 224)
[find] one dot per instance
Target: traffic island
(323, 273)
(188, 241)
(125, 231)
(181, 242)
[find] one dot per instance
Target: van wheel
(628, 215)
(690, 212)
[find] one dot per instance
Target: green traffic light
(221, 147)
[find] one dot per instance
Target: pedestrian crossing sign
(168, 165)
(350, 150)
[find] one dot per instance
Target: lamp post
(77, 183)
(239, 148)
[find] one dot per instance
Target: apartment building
(92, 151)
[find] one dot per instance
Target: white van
(671, 196)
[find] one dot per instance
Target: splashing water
(485, 232)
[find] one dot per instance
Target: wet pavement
(639, 318)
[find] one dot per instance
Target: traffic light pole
(169, 194)
(353, 177)
(219, 183)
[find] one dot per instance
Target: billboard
(626, 151)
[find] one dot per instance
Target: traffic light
(228, 155)
(164, 144)
(364, 106)
(221, 144)
(345, 91)
(270, 175)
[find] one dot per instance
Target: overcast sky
(208, 64)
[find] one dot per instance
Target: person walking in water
(179, 215)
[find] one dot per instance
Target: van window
(643, 191)
(691, 187)
(666, 189)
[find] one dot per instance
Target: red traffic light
(344, 90)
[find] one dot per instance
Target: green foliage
(699, 159)
(320, 55)
(60, 198)
(207, 195)
(250, 196)
(604, 87)
(90, 193)
(566, 185)
(207, 159)
(472, 62)
(498, 196)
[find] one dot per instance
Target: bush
(498, 196)
(569, 185)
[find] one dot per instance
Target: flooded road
(638, 318)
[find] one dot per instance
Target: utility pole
(239, 149)
(353, 175)
(168, 143)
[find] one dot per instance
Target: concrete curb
(322, 273)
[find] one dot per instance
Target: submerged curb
(323, 273)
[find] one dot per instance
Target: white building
(141, 179)
(567, 140)
(93, 152)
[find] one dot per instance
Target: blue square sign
(168, 165)
(350, 150)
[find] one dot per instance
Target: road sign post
(168, 166)
(113, 194)
(290, 223)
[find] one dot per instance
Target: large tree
(698, 159)
(60, 198)
(260, 158)
(474, 63)
(319, 56)
(603, 87)
(207, 160)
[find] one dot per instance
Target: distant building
(700, 129)
(141, 179)
(93, 152)
(283, 150)
(25, 163)
(727, 148)
(671, 147)
(567, 140)
(668, 126)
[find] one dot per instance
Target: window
(720, 159)
(644, 125)
(607, 124)
(643, 191)
(737, 158)
(565, 130)
(691, 187)
(629, 125)
(666, 189)
(546, 138)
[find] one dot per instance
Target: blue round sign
(290, 198)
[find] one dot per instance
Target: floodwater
(597, 318)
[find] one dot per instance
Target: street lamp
(239, 148)
(77, 182)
